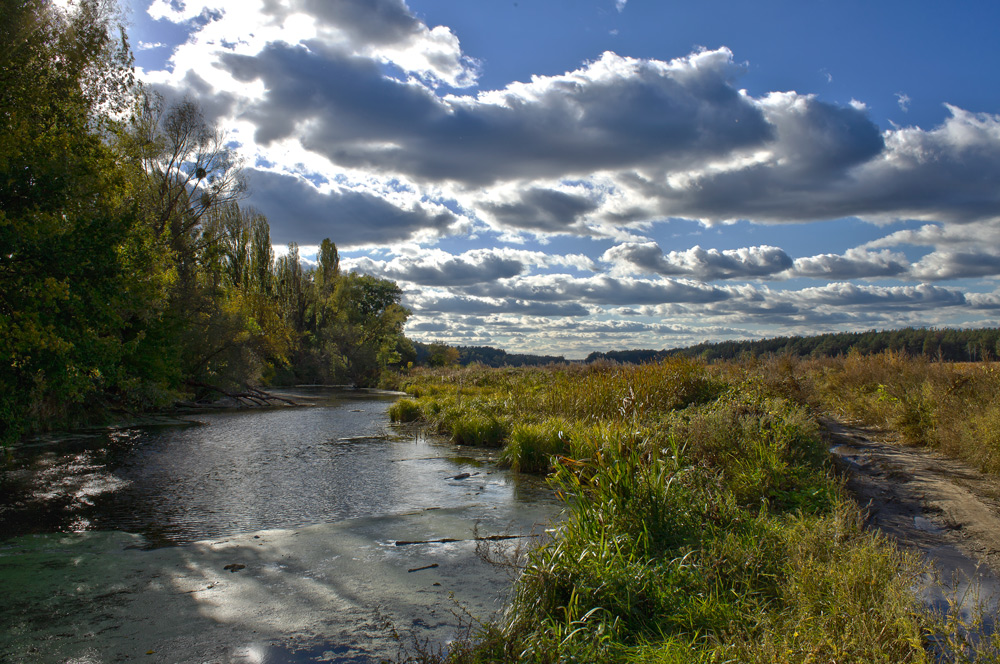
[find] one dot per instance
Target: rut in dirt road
(939, 507)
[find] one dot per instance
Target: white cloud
(853, 264)
(383, 30)
(434, 267)
(354, 118)
(941, 265)
(698, 263)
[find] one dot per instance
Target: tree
(442, 355)
(69, 245)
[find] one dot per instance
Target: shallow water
(311, 501)
(236, 472)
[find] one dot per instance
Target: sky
(561, 177)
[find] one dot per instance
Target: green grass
(703, 521)
(405, 410)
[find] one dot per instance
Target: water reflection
(289, 521)
(242, 472)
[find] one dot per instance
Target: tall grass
(703, 522)
(951, 407)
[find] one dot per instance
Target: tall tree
(69, 244)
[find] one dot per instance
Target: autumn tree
(70, 249)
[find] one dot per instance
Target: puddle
(926, 525)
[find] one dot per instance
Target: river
(280, 536)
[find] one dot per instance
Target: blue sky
(562, 177)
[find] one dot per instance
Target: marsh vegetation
(704, 520)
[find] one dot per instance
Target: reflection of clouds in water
(311, 588)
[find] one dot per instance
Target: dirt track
(937, 506)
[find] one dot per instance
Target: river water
(286, 535)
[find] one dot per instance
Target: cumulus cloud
(384, 31)
(650, 139)
(599, 290)
(455, 271)
(439, 268)
(612, 113)
(355, 116)
(844, 294)
(542, 210)
(830, 162)
(698, 263)
(469, 305)
(970, 236)
(853, 264)
(297, 209)
(987, 301)
(941, 265)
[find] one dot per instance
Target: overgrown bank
(130, 275)
(704, 523)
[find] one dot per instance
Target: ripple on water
(242, 472)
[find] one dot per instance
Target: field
(705, 522)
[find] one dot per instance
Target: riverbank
(706, 522)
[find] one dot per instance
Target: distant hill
(947, 345)
(494, 357)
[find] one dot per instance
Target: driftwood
(449, 540)
(250, 397)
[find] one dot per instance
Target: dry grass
(704, 524)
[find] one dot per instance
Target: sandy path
(939, 507)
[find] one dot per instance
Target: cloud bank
(366, 124)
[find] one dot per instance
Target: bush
(405, 410)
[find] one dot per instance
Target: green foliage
(533, 447)
(71, 255)
(348, 327)
(131, 276)
(404, 410)
(469, 426)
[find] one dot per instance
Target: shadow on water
(304, 505)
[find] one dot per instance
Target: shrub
(405, 410)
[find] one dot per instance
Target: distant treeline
(948, 345)
(434, 354)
